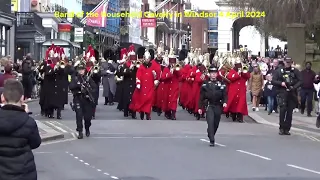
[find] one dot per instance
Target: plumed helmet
(123, 53)
(147, 54)
(182, 55)
(108, 54)
(151, 51)
(140, 52)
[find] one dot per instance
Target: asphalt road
(159, 149)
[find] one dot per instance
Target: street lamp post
(188, 36)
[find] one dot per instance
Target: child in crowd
(269, 93)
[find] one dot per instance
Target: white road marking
(150, 137)
(42, 152)
(256, 155)
(63, 125)
(58, 141)
(218, 144)
(87, 164)
(57, 127)
(304, 169)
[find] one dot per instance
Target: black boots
(80, 135)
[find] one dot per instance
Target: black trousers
(306, 95)
(27, 86)
(84, 111)
(287, 101)
(213, 116)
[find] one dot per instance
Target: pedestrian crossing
(61, 128)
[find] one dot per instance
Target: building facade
(170, 30)
(199, 33)
(213, 34)
(7, 29)
(110, 35)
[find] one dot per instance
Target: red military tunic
(157, 67)
(237, 101)
(173, 92)
(191, 100)
(162, 91)
(184, 85)
(196, 90)
(145, 79)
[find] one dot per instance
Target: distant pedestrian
(270, 94)
(19, 135)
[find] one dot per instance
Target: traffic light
(189, 35)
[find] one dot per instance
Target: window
(213, 23)
(204, 37)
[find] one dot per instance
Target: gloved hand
(109, 72)
(138, 86)
(154, 73)
(156, 82)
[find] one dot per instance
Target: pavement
(300, 122)
(160, 149)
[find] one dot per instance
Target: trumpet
(95, 69)
(177, 67)
(62, 64)
(138, 63)
(245, 68)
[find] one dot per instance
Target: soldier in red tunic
(146, 80)
(237, 102)
(173, 90)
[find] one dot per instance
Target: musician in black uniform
(83, 88)
(287, 80)
(213, 95)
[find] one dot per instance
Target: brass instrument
(95, 69)
(177, 67)
(62, 64)
(138, 63)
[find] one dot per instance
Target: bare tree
(279, 13)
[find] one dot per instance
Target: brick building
(199, 32)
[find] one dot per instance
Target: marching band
(141, 81)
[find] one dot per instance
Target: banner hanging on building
(78, 34)
(148, 22)
(98, 16)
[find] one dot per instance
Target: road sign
(78, 34)
(39, 39)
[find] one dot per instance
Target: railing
(28, 20)
(166, 21)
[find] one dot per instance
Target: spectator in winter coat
(19, 134)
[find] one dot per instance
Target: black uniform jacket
(19, 134)
(77, 81)
(278, 78)
(212, 93)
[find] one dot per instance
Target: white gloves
(156, 82)
(110, 61)
(171, 71)
(131, 66)
(109, 72)
(154, 73)
(224, 105)
(138, 86)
